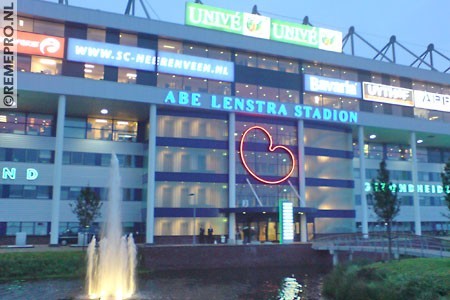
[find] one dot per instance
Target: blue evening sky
(415, 23)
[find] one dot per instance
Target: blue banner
(332, 86)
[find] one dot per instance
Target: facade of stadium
(212, 129)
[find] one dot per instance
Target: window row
(20, 191)
(73, 192)
(101, 129)
(402, 152)
(407, 200)
(194, 160)
(329, 101)
(261, 61)
(191, 127)
(102, 159)
(244, 90)
(23, 123)
(191, 84)
(189, 194)
(27, 155)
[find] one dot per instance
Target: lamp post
(194, 216)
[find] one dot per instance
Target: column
(151, 184)
(301, 179)
(231, 176)
(362, 184)
(57, 171)
(416, 201)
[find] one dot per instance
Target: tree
(87, 207)
(446, 185)
(386, 205)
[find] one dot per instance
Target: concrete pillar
(335, 257)
(416, 202)
(151, 184)
(231, 176)
(301, 178)
(362, 168)
(57, 170)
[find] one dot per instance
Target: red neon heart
(271, 148)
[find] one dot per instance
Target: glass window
(374, 151)
(128, 39)
(99, 129)
(397, 152)
(25, 24)
(39, 124)
(246, 59)
(289, 66)
(12, 228)
(170, 81)
(267, 62)
(32, 155)
(125, 131)
(181, 159)
(49, 28)
(12, 122)
(219, 87)
(23, 63)
(29, 192)
(15, 191)
(186, 127)
(434, 155)
(19, 155)
(89, 159)
(75, 128)
(94, 34)
(93, 71)
(127, 75)
(46, 65)
(170, 46)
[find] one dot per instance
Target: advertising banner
(194, 66)
(209, 17)
(387, 94)
(40, 44)
(433, 101)
(332, 86)
(111, 54)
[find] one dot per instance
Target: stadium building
(235, 122)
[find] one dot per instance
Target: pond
(239, 284)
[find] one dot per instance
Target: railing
(402, 244)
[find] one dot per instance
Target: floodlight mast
(131, 8)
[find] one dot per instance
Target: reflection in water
(290, 289)
(228, 284)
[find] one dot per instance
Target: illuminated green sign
(410, 188)
(200, 15)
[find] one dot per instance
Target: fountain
(111, 266)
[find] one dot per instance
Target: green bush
(421, 279)
(33, 265)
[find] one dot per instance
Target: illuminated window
(128, 39)
(46, 65)
(99, 129)
(170, 46)
(93, 71)
(125, 131)
(39, 124)
(127, 75)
